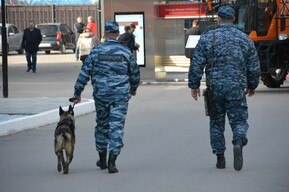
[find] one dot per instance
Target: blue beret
(111, 27)
(226, 12)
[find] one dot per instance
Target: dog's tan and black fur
(64, 139)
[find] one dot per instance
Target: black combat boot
(101, 163)
(111, 163)
(221, 161)
(238, 155)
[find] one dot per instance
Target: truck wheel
(275, 78)
(47, 52)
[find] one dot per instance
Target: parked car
(14, 38)
(56, 36)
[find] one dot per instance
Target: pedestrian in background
(85, 43)
(91, 25)
(115, 77)
(136, 45)
(235, 72)
(127, 39)
(194, 30)
(30, 42)
(78, 27)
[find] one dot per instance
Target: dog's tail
(66, 136)
(61, 140)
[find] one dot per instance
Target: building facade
(160, 26)
(164, 29)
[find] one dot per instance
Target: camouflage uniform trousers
(234, 104)
(109, 131)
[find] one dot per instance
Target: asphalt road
(166, 143)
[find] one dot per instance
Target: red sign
(182, 10)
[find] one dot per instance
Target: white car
(14, 38)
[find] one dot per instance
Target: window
(10, 29)
(15, 29)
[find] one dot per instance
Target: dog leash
(72, 101)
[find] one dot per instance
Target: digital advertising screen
(125, 19)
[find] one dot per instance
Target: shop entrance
(171, 25)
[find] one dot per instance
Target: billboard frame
(139, 32)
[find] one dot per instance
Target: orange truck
(267, 24)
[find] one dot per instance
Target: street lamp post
(4, 51)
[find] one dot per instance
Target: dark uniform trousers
(233, 103)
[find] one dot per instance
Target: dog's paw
(59, 168)
(65, 171)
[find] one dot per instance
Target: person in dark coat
(194, 30)
(79, 26)
(127, 39)
(136, 45)
(31, 39)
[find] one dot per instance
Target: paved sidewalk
(19, 114)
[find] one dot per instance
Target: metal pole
(53, 13)
(102, 18)
(4, 51)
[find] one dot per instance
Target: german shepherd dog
(64, 139)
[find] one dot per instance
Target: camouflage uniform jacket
(236, 63)
(113, 72)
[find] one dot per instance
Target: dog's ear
(71, 110)
(60, 111)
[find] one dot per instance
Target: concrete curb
(45, 118)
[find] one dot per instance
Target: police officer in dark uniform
(115, 77)
(235, 72)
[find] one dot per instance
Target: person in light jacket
(85, 43)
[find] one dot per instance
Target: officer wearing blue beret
(115, 77)
(235, 72)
